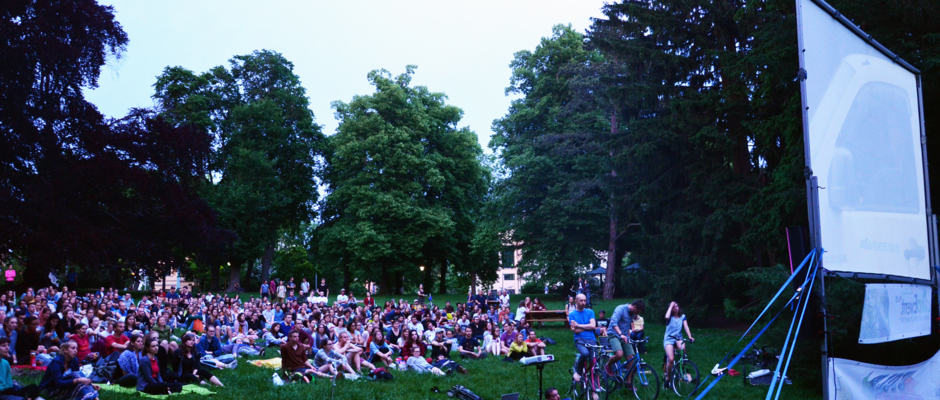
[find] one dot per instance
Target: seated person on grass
(518, 348)
(127, 362)
(536, 346)
(328, 359)
(440, 346)
(186, 363)
(149, 379)
(7, 387)
(294, 360)
(470, 347)
(60, 383)
(352, 353)
(379, 350)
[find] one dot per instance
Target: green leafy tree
(405, 188)
(553, 198)
(262, 174)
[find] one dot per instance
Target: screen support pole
(812, 205)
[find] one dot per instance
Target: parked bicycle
(594, 382)
(645, 382)
(684, 378)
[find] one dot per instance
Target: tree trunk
(267, 260)
(214, 279)
(442, 288)
(347, 277)
(428, 282)
(611, 274)
(234, 275)
(473, 283)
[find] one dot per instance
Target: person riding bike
(673, 337)
(582, 323)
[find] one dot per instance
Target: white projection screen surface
(865, 150)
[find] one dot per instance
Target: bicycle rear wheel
(685, 378)
(645, 382)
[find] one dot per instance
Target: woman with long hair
(149, 378)
(673, 337)
(491, 342)
(186, 363)
(352, 353)
(414, 339)
(274, 336)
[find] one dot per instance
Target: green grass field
(490, 378)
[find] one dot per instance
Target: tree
(261, 176)
(75, 188)
(405, 187)
(554, 197)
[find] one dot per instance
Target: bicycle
(684, 378)
(594, 380)
(645, 379)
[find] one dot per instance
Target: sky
(462, 49)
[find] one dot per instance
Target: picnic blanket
(187, 389)
(269, 363)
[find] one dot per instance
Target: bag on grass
(462, 393)
(381, 374)
(104, 370)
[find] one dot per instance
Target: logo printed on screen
(893, 383)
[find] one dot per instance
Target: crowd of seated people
(170, 338)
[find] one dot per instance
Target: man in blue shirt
(582, 324)
(618, 335)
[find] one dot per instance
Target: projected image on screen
(864, 142)
(877, 131)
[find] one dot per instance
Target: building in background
(509, 277)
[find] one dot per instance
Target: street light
(421, 268)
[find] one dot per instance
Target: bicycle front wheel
(645, 382)
(685, 378)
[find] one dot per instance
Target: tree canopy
(405, 186)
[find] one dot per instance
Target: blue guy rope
(754, 340)
(786, 360)
(809, 257)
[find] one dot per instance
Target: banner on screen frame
(851, 380)
(895, 311)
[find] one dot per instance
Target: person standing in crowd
(582, 323)
(264, 291)
(281, 292)
(304, 288)
(323, 288)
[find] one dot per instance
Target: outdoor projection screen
(864, 138)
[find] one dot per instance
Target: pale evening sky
(461, 48)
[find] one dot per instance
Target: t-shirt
(469, 344)
(508, 337)
(638, 323)
(323, 288)
(622, 318)
(674, 327)
(111, 340)
(583, 317)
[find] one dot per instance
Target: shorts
(669, 341)
(617, 344)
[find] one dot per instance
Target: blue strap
(789, 357)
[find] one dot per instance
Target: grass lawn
(490, 378)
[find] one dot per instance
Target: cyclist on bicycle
(582, 323)
(673, 337)
(621, 325)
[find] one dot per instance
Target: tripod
(539, 367)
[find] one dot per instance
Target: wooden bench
(547, 316)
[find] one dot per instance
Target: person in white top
(415, 325)
(503, 298)
(521, 311)
(342, 299)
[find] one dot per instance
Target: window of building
(508, 259)
(509, 277)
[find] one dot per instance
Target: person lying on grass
(418, 364)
